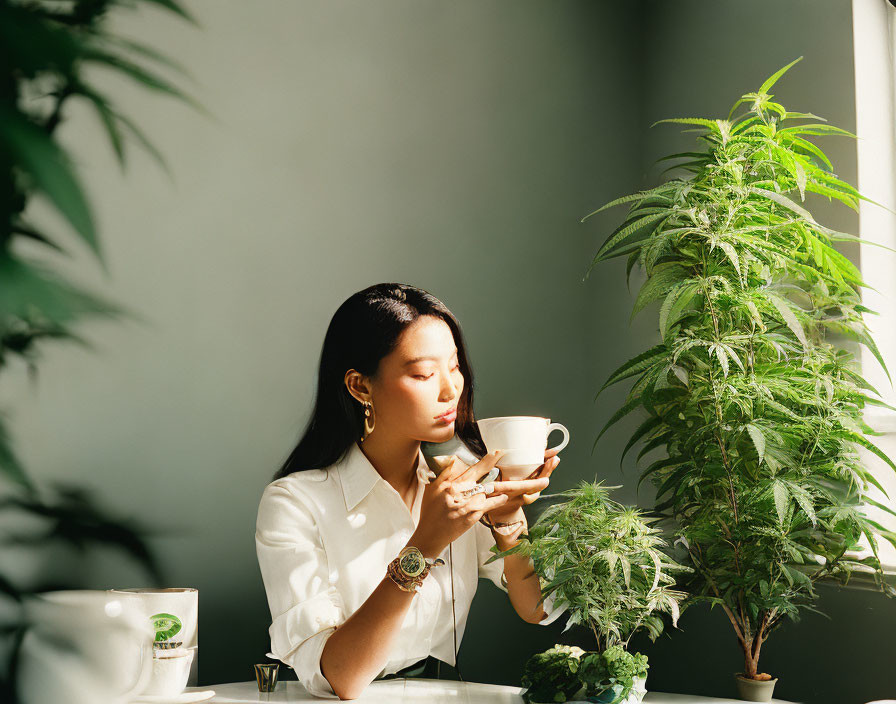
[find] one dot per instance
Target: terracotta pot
(751, 690)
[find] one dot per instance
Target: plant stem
(725, 607)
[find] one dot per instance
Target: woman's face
(418, 381)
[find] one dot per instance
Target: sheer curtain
(874, 34)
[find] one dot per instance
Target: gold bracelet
(497, 527)
(403, 580)
(408, 584)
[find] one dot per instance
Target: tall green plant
(759, 416)
(46, 47)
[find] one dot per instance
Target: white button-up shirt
(324, 539)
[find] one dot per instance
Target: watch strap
(408, 582)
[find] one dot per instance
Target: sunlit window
(874, 32)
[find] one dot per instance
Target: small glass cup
(266, 676)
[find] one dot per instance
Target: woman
(369, 561)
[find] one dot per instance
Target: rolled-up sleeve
(305, 607)
(495, 570)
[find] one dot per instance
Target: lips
(448, 415)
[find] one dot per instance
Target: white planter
(635, 696)
(639, 689)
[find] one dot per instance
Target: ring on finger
(471, 492)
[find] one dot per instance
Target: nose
(449, 388)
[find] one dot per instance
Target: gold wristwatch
(411, 567)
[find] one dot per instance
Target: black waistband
(428, 668)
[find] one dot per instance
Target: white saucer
(182, 698)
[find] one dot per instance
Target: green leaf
(796, 577)
(626, 570)
(640, 196)
(145, 51)
(31, 292)
(785, 202)
(868, 445)
(711, 124)
(882, 507)
(657, 285)
(782, 499)
(49, 169)
(174, 7)
(616, 417)
(758, 440)
(9, 462)
(32, 234)
(804, 499)
(634, 366)
(141, 76)
(639, 229)
(641, 431)
(769, 82)
(655, 467)
(811, 148)
(784, 310)
(722, 356)
(818, 129)
(138, 134)
(108, 118)
(676, 301)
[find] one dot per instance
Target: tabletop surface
(419, 690)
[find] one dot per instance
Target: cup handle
(146, 653)
(562, 428)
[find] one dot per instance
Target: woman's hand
(517, 491)
(446, 513)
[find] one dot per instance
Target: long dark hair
(364, 329)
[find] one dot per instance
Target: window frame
(874, 42)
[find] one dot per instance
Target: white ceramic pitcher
(85, 647)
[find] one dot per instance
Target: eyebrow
(424, 359)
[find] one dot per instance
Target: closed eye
(424, 378)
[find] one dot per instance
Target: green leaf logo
(165, 625)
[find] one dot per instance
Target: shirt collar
(358, 475)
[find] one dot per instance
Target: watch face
(412, 562)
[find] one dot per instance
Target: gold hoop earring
(369, 420)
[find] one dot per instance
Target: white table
(419, 691)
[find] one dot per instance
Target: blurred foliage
(46, 48)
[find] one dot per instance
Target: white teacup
(524, 440)
(170, 670)
(180, 609)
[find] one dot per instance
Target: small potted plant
(605, 563)
(553, 676)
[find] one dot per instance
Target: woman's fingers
(481, 503)
(545, 469)
(520, 486)
(492, 502)
(451, 471)
(475, 472)
(459, 471)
